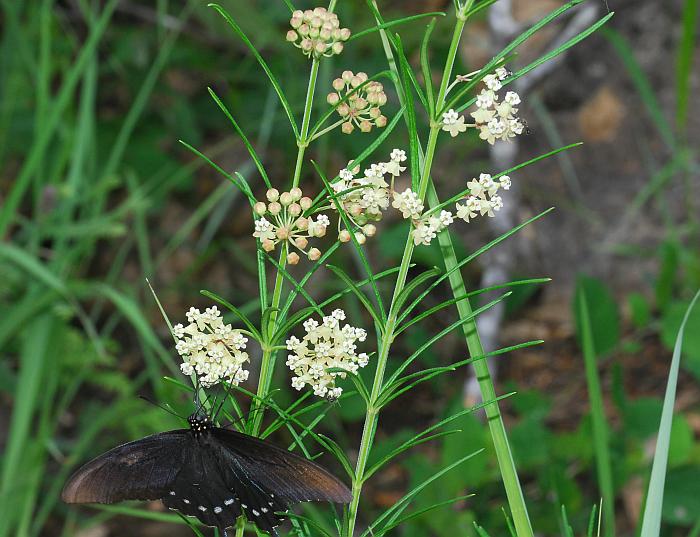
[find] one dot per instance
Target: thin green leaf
(651, 521)
(425, 67)
(449, 329)
(470, 294)
(405, 72)
(251, 150)
(233, 309)
(415, 282)
(347, 280)
(395, 22)
(601, 444)
(476, 254)
(263, 64)
(425, 510)
(392, 514)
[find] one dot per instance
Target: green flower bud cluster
(317, 32)
(362, 107)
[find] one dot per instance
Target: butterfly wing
(145, 469)
(268, 479)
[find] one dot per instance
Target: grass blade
(601, 444)
(651, 521)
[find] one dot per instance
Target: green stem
(497, 429)
(303, 142)
(504, 456)
(267, 364)
(372, 414)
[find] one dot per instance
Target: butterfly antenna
(162, 407)
(227, 394)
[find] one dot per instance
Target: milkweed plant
(322, 347)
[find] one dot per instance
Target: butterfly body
(207, 472)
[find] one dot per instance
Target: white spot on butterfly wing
(244, 506)
(172, 493)
(217, 510)
(202, 508)
(185, 500)
(264, 509)
(229, 501)
(256, 513)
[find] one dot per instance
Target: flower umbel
(326, 346)
(317, 32)
(281, 220)
(362, 108)
(365, 197)
(497, 120)
(483, 198)
(211, 349)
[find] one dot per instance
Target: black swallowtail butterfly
(208, 472)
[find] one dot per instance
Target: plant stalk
(372, 414)
(497, 429)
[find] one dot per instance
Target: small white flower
(502, 73)
(453, 123)
(492, 82)
(505, 182)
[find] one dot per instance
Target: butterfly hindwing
(290, 477)
(141, 470)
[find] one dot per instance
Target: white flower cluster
(483, 198)
(362, 107)
(317, 32)
(281, 220)
(211, 349)
(425, 226)
(365, 197)
(325, 346)
(495, 120)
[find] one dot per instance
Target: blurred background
(96, 195)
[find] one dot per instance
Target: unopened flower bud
(272, 194)
(301, 242)
(296, 193)
(347, 127)
(306, 203)
(274, 208)
(292, 36)
(260, 208)
(333, 99)
(293, 258)
(295, 209)
(344, 236)
(345, 34)
(302, 223)
(370, 230)
(268, 245)
(365, 126)
(380, 121)
(286, 199)
(337, 47)
(314, 254)
(360, 238)
(282, 233)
